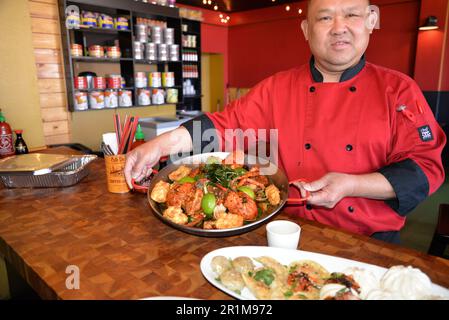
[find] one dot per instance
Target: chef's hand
(140, 161)
(329, 189)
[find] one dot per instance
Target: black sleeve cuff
(410, 184)
(203, 133)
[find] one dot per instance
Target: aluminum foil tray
(65, 176)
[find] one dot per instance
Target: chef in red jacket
(363, 136)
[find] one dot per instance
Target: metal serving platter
(277, 177)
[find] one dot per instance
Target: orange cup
(115, 175)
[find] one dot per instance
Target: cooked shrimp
(179, 173)
(193, 202)
(179, 193)
(273, 194)
(228, 220)
(242, 204)
(159, 192)
(176, 215)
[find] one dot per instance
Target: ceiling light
(209, 2)
(431, 24)
(215, 7)
(300, 11)
(204, 1)
(228, 17)
(221, 16)
(287, 8)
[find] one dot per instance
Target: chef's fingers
(315, 185)
(129, 165)
(300, 186)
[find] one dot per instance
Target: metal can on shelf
(143, 97)
(138, 50)
(141, 32)
(155, 80)
(113, 52)
(80, 83)
(156, 34)
(125, 98)
(121, 23)
(96, 99)
(114, 81)
(151, 51)
(140, 80)
(172, 95)
(169, 35)
(110, 98)
(162, 52)
(76, 50)
(80, 101)
(96, 51)
(105, 21)
(99, 83)
(157, 96)
(173, 50)
(88, 19)
(168, 79)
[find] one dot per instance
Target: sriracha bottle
(139, 138)
(6, 142)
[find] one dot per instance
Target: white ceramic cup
(283, 234)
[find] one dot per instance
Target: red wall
(263, 42)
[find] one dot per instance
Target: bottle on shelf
(6, 142)
(20, 145)
(139, 138)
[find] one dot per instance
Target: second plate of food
(210, 196)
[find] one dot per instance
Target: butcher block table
(123, 251)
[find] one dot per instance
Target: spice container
(169, 35)
(138, 50)
(143, 97)
(173, 52)
(157, 96)
(168, 79)
(151, 51)
(156, 34)
(76, 50)
(141, 33)
(172, 95)
(88, 19)
(105, 21)
(140, 80)
(99, 83)
(154, 80)
(162, 52)
(113, 52)
(121, 23)
(80, 101)
(125, 98)
(110, 98)
(96, 99)
(114, 81)
(80, 83)
(96, 51)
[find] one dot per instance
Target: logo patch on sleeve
(425, 133)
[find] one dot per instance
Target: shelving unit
(127, 65)
(192, 28)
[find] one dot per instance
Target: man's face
(337, 31)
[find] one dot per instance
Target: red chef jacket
(375, 121)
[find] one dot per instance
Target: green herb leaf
(265, 275)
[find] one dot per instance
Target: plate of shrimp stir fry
(217, 194)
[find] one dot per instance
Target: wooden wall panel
(43, 10)
(50, 70)
(51, 85)
(47, 56)
(46, 41)
(53, 100)
(47, 26)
